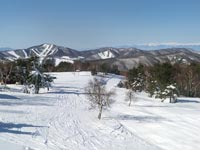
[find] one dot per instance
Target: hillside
(124, 58)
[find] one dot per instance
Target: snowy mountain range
(157, 46)
(124, 58)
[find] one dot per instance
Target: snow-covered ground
(62, 119)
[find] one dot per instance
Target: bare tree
(98, 95)
(188, 79)
(5, 72)
(130, 96)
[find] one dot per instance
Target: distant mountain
(157, 46)
(124, 58)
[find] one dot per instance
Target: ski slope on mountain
(62, 119)
(14, 54)
(106, 55)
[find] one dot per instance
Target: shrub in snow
(120, 84)
(130, 97)
(98, 95)
(170, 91)
(93, 71)
(25, 89)
(32, 89)
(124, 84)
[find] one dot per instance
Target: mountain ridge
(124, 58)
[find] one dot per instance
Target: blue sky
(94, 23)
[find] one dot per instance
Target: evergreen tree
(136, 78)
(37, 79)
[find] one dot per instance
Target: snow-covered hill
(62, 119)
(124, 58)
(42, 52)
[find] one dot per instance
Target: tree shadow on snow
(34, 102)
(142, 119)
(66, 87)
(13, 111)
(15, 128)
(156, 106)
(187, 101)
(76, 92)
(5, 96)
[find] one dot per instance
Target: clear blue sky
(94, 23)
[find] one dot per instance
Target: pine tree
(37, 79)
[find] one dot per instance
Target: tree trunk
(129, 103)
(100, 112)
(37, 90)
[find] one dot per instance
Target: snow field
(62, 119)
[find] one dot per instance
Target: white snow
(53, 51)
(62, 119)
(14, 54)
(10, 58)
(35, 51)
(63, 59)
(10, 146)
(171, 87)
(25, 54)
(106, 54)
(47, 49)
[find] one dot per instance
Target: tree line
(166, 80)
(93, 66)
(27, 72)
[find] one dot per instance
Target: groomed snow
(106, 55)
(47, 49)
(14, 54)
(62, 119)
(25, 54)
(63, 59)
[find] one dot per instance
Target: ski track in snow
(106, 55)
(61, 120)
(48, 48)
(25, 54)
(36, 52)
(14, 54)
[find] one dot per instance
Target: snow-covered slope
(63, 59)
(62, 119)
(106, 55)
(124, 58)
(42, 52)
(14, 54)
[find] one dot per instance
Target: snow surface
(47, 49)
(106, 55)
(66, 59)
(14, 54)
(62, 119)
(63, 59)
(25, 54)
(35, 51)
